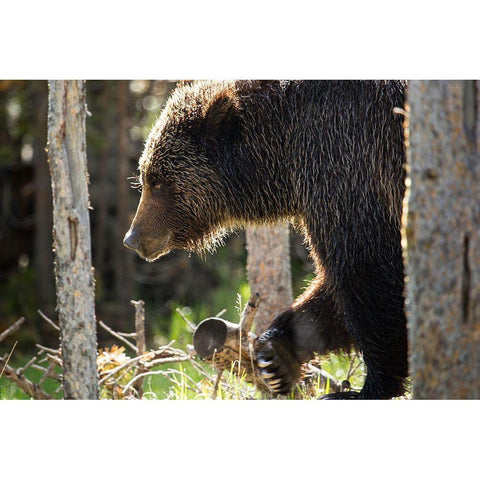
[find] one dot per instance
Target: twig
(248, 314)
(48, 373)
(52, 375)
(325, 377)
(165, 374)
(161, 361)
(113, 371)
(116, 335)
(216, 384)
(47, 350)
(139, 339)
(140, 325)
(127, 335)
(350, 366)
(26, 366)
(50, 322)
(12, 329)
(190, 325)
(142, 375)
(199, 368)
(351, 370)
(7, 360)
(146, 356)
(30, 388)
(55, 360)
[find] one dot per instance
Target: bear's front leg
(311, 326)
(277, 361)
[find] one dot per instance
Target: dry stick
(47, 350)
(151, 374)
(160, 361)
(26, 366)
(48, 372)
(359, 362)
(215, 386)
(55, 360)
(8, 359)
(12, 329)
(113, 371)
(50, 322)
(248, 314)
(350, 367)
(52, 375)
(130, 363)
(127, 335)
(30, 388)
(199, 368)
(140, 339)
(190, 325)
(325, 377)
(140, 325)
(116, 335)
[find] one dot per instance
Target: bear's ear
(221, 119)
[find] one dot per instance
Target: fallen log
(230, 346)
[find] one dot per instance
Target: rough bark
(71, 233)
(442, 238)
(268, 269)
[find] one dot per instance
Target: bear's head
(182, 173)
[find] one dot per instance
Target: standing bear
(328, 156)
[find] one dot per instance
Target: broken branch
(12, 329)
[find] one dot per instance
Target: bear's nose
(131, 240)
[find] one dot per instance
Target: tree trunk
(268, 270)
(71, 233)
(442, 236)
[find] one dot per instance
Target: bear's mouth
(151, 257)
(150, 249)
(157, 249)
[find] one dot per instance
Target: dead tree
(71, 234)
(442, 238)
(268, 269)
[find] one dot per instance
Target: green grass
(10, 391)
(193, 380)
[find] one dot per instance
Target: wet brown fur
(327, 156)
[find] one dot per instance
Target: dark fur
(326, 155)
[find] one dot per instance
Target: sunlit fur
(327, 156)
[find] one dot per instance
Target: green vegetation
(189, 379)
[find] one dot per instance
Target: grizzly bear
(327, 156)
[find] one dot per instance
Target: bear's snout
(131, 240)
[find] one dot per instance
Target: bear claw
(278, 367)
(264, 363)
